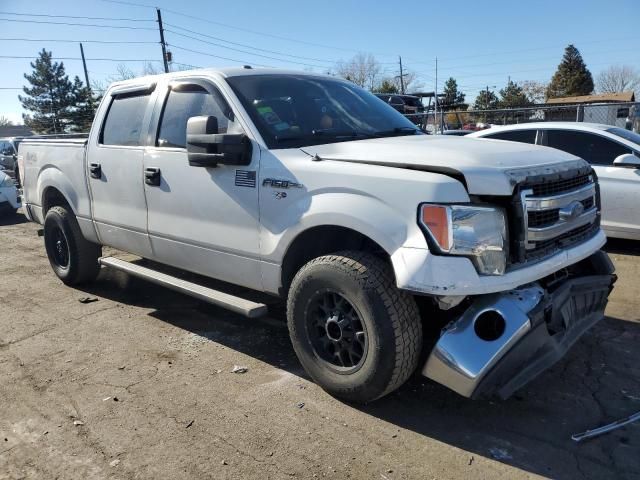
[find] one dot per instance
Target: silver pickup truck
(314, 191)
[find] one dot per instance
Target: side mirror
(208, 148)
(627, 160)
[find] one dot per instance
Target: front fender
(367, 215)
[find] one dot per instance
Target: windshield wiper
(396, 131)
(327, 133)
(330, 133)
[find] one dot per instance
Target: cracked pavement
(145, 374)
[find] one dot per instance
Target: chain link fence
(624, 115)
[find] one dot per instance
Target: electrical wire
(249, 53)
(76, 41)
(217, 56)
(238, 44)
(77, 17)
(87, 59)
(76, 24)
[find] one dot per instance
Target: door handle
(95, 169)
(152, 176)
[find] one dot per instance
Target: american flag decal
(246, 178)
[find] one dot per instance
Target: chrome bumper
(504, 340)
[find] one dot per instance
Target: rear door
(115, 171)
(619, 186)
(204, 220)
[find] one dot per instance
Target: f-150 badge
(279, 183)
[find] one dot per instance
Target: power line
(239, 44)
(217, 56)
(247, 30)
(75, 24)
(77, 17)
(78, 58)
(248, 53)
(75, 41)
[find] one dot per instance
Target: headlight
(479, 233)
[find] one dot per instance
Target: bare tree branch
(618, 78)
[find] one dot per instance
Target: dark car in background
(405, 104)
(9, 156)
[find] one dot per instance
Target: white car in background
(8, 193)
(613, 152)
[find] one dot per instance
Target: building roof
(598, 98)
(15, 131)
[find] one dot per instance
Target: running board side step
(230, 302)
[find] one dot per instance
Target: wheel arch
(322, 240)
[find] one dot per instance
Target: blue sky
(479, 43)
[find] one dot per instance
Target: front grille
(557, 211)
(573, 237)
(554, 187)
(549, 217)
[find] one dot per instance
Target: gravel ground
(139, 384)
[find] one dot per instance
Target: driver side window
(188, 101)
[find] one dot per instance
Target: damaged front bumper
(504, 340)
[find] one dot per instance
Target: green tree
(452, 96)
(572, 76)
(387, 86)
(57, 105)
(486, 100)
(84, 108)
(513, 96)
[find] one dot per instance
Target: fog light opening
(489, 325)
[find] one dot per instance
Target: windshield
(626, 134)
(298, 110)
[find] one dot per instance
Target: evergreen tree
(452, 96)
(85, 105)
(57, 105)
(486, 100)
(387, 86)
(572, 77)
(512, 96)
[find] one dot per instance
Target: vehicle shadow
(595, 384)
(9, 216)
(621, 246)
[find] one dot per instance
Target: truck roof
(225, 72)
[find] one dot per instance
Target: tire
(379, 340)
(73, 259)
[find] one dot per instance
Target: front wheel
(73, 259)
(355, 333)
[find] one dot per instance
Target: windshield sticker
(269, 115)
(282, 126)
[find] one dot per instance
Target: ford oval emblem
(571, 211)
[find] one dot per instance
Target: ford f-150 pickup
(308, 188)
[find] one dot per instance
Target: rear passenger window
(522, 136)
(186, 102)
(123, 125)
(588, 146)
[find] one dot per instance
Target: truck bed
(55, 160)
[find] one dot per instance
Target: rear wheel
(73, 259)
(355, 333)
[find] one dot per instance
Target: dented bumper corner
(504, 340)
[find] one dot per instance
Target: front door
(204, 220)
(115, 157)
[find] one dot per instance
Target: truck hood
(487, 167)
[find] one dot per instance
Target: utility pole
(84, 65)
(162, 42)
(401, 76)
(435, 96)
